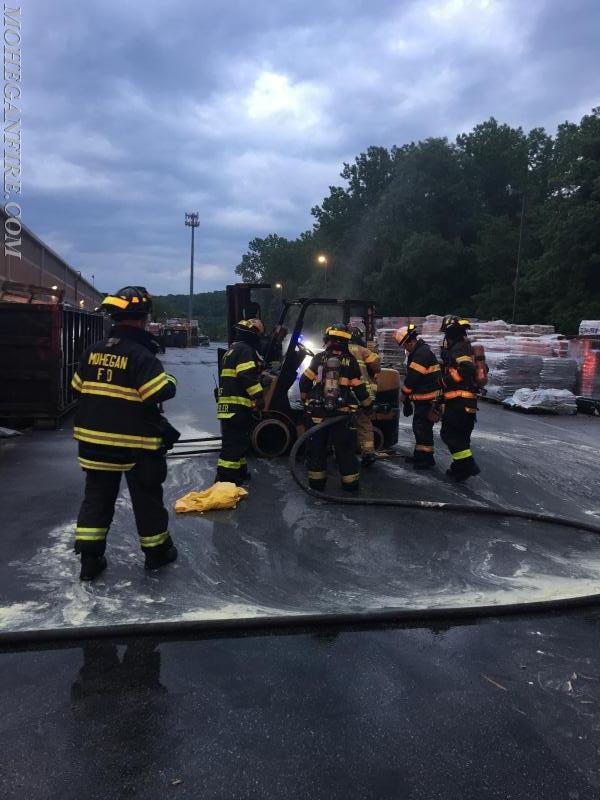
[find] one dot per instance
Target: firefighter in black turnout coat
(240, 394)
(421, 392)
(332, 385)
(460, 397)
(120, 429)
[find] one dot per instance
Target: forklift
(283, 420)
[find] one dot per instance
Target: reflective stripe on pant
(343, 438)
(457, 427)
(144, 481)
(364, 432)
(423, 432)
(235, 443)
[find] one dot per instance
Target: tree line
(209, 308)
(435, 227)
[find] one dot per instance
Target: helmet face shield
(337, 332)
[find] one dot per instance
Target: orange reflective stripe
(455, 375)
(458, 393)
(424, 370)
(424, 448)
(308, 373)
(427, 396)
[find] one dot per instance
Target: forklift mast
(240, 305)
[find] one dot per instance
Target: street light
(279, 285)
(322, 260)
(192, 221)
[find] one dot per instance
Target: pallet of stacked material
(393, 323)
(538, 346)
(536, 329)
(435, 343)
(558, 373)
(586, 351)
(495, 325)
(431, 324)
(511, 371)
(589, 327)
(390, 354)
(560, 348)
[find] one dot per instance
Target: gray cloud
(135, 113)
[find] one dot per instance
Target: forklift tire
(271, 438)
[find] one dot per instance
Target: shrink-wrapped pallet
(558, 373)
(557, 401)
(511, 371)
(390, 354)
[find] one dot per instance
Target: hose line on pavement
(179, 628)
(430, 505)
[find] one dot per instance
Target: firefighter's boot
(91, 567)
(161, 558)
(464, 471)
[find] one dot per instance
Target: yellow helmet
(405, 334)
(251, 325)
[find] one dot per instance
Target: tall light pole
(322, 260)
(192, 221)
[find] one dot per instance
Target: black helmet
(454, 326)
(358, 336)
(130, 302)
(337, 332)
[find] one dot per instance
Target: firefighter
(120, 429)
(370, 365)
(331, 386)
(240, 395)
(460, 397)
(421, 393)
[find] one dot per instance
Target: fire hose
(430, 505)
(298, 622)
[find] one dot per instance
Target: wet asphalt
(504, 707)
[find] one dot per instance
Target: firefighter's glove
(259, 404)
(408, 408)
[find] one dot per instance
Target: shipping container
(40, 347)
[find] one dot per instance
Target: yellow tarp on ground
(220, 495)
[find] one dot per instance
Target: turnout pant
(457, 426)
(343, 438)
(144, 481)
(364, 432)
(235, 443)
(423, 430)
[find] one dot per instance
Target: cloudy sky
(244, 110)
